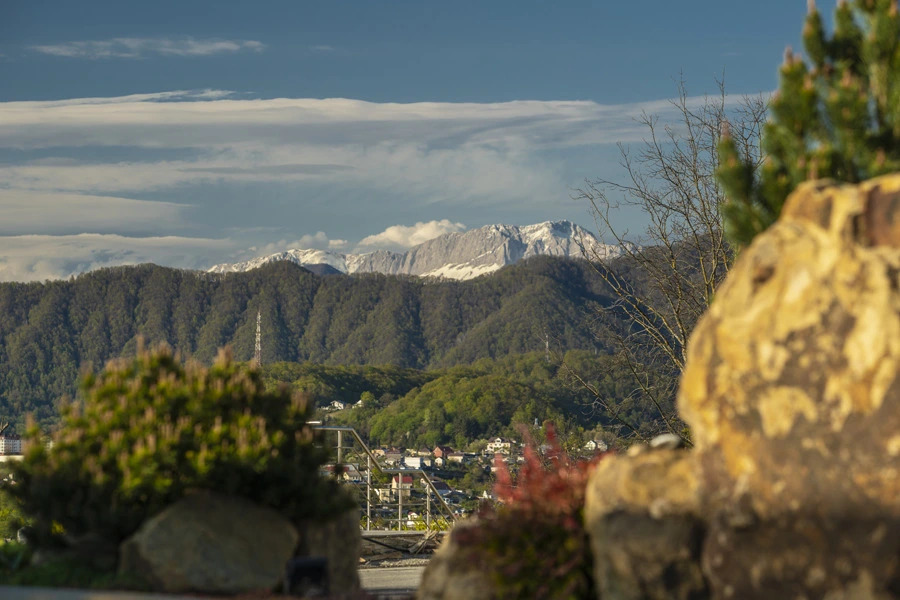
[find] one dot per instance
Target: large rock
(451, 573)
(803, 555)
(792, 385)
(642, 515)
(338, 541)
(211, 543)
(792, 390)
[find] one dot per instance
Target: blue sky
(190, 133)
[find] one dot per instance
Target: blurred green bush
(151, 429)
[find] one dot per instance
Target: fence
(381, 491)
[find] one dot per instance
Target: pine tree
(837, 117)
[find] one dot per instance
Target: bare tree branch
(662, 287)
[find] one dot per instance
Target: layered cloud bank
(212, 171)
(42, 257)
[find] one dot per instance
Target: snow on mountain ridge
(456, 255)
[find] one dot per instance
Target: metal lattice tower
(257, 351)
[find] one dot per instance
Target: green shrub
(151, 429)
(11, 517)
(534, 543)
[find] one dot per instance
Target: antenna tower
(257, 351)
(547, 346)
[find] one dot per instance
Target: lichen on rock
(791, 386)
(642, 514)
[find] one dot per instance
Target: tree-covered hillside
(465, 404)
(49, 331)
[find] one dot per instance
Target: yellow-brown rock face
(792, 385)
(660, 483)
(642, 515)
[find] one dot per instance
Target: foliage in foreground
(151, 430)
(837, 118)
(534, 543)
(11, 517)
(16, 569)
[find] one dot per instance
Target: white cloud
(40, 257)
(438, 151)
(25, 211)
(223, 122)
(126, 47)
(402, 236)
(317, 241)
(173, 95)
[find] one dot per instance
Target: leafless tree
(663, 285)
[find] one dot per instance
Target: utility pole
(257, 351)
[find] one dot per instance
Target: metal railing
(433, 503)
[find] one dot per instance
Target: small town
(400, 503)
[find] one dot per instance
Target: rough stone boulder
(211, 543)
(792, 384)
(451, 573)
(792, 392)
(642, 515)
(339, 541)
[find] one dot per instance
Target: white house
(402, 484)
(393, 457)
(499, 445)
(457, 457)
(417, 462)
(10, 443)
(384, 494)
(352, 473)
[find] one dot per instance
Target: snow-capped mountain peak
(460, 255)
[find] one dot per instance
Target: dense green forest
(50, 331)
(467, 404)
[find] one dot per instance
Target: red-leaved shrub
(533, 542)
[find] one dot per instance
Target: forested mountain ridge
(48, 331)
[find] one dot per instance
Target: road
(39, 593)
(391, 578)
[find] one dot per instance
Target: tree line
(465, 405)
